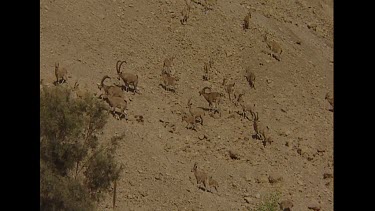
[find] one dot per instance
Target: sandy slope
(88, 37)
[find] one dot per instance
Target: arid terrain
(88, 38)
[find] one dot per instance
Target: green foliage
(68, 127)
(62, 193)
(68, 145)
(270, 203)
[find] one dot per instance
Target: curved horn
(119, 67)
(104, 77)
(117, 70)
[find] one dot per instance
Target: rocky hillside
(88, 38)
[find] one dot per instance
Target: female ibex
(246, 21)
(61, 74)
(168, 82)
(250, 77)
(117, 103)
(200, 176)
(197, 113)
(229, 88)
(261, 131)
(212, 97)
(167, 66)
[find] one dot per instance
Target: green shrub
(74, 168)
(270, 203)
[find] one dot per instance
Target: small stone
(314, 207)
(233, 155)
(248, 199)
(202, 136)
(327, 176)
(262, 179)
(101, 16)
(257, 196)
(274, 179)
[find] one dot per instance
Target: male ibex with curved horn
(127, 78)
(110, 89)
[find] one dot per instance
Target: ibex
(167, 66)
(197, 113)
(185, 14)
(262, 131)
(229, 88)
(127, 78)
(169, 82)
(61, 74)
(246, 21)
(110, 90)
(246, 107)
(190, 120)
(117, 103)
(274, 47)
(212, 97)
(200, 176)
(250, 77)
(207, 70)
(330, 100)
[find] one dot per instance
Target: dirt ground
(88, 37)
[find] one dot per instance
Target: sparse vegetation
(270, 203)
(75, 170)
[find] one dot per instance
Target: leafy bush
(74, 168)
(270, 203)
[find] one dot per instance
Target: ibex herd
(114, 94)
